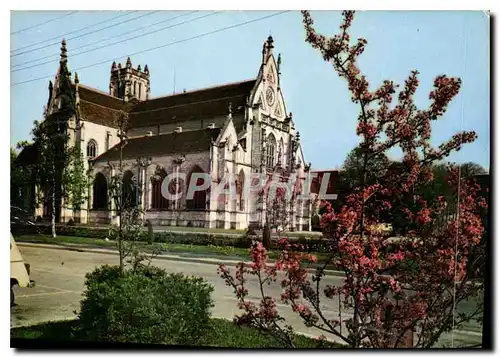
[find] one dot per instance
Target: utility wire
(72, 32)
(162, 46)
(105, 39)
(118, 42)
(42, 23)
(85, 34)
(458, 194)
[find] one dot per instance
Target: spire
(270, 42)
(64, 56)
(51, 89)
(77, 81)
(267, 49)
(264, 52)
(279, 64)
(139, 68)
(230, 110)
(129, 63)
(146, 69)
(113, 66)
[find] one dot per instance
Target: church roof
(101, 108)
(163, 144)
(207, 102)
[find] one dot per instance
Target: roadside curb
(83, 248)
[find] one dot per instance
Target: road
(60, 275)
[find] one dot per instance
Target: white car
(19, 270)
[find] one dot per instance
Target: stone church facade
(238, 129)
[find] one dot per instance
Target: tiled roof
(180, 143)
(100, 108)
(98, 97)
(98, 114)
(206, 102)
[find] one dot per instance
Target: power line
(84, 34)
(162, 46)
(42, 23)
(72, 32)
(140, 28)
(107, 38)
(118, 42)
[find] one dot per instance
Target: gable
(228, 133)
(268, 92)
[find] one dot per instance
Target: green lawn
(202, 250)
(223, 334)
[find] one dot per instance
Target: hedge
(188, 238)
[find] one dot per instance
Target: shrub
(146, 305)
(312, 245)
(223, 250)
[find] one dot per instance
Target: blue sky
(432, 42)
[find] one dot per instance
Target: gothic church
(239, 128)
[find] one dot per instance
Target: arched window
(100, 197)
(140, 90)
(158, 201)
(270, 151)
(239, 190)
(200, 197)
(91, 148)
(135, 87)
(129, 190)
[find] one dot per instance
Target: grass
(222, 334)
(204, 250)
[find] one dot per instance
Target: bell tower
(128, 83)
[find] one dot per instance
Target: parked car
(19, 270)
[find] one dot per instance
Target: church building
(239, 128)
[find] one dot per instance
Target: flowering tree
(393, 287)
(125, 194)
(275, 208)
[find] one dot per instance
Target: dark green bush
(147, 305)
(188, 238)
(313, 245)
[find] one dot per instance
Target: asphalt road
(60, 275)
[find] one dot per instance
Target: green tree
(376, 166)
(58, 171)
(349, 176)
(470, 169)
(75, 180)
(16, 177)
